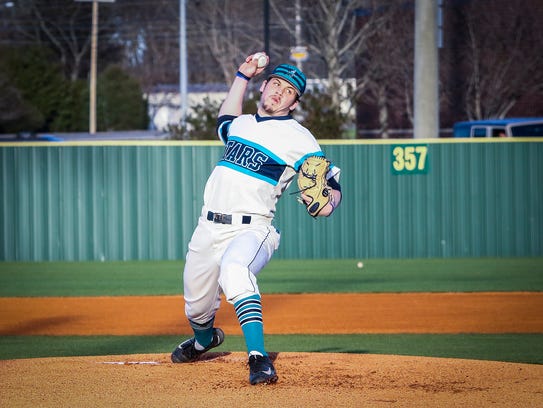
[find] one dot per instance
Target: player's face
(278, 98)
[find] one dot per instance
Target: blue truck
(508, 127)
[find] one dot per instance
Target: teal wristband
(242, 75)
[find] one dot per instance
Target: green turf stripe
(280, 276)
(523, 348)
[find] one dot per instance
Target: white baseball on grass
(360, 264)
(261, 58)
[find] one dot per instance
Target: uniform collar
(265, 118)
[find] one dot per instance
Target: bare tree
(503, 57)
(63, 25)
(149, 34)
(333, 35)
(219, 34)
(386, 68)
(141, 36)
(228, 30)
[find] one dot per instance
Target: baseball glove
(312, 183)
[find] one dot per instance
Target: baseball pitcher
(235, 237)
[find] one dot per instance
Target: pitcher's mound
(305, 380)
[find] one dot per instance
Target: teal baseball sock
(249, 313)
(203, 333)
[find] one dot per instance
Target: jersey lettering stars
(262, 154)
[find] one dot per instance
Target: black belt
(219, 218)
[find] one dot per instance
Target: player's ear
(262, 86)
(293, 106)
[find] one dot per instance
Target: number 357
(409, 159)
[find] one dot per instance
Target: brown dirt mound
(305, 379)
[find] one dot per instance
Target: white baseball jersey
(262, 154)
(260, 160)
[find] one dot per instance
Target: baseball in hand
(261, 58)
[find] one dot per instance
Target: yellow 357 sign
(409, 159)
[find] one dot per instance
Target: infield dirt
(479, 312)
(305, 379)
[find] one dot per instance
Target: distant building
(164, 102)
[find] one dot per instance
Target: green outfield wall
(402, 199)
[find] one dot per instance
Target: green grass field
(280, 276)
(284, 276)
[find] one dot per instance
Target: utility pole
(266, 13)
(426, 101)
(183, 71)
(298, 53)
(94, 47)
(298, 28)
(94, 57)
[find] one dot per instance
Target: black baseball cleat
(186, 352)
(261, 370)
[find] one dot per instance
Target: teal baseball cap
(292, 75)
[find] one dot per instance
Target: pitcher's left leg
(244, 258)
